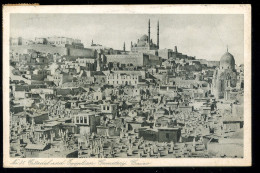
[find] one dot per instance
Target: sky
(205, 36)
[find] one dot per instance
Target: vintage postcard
(127, 85)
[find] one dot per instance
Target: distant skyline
(205, 36)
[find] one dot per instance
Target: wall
(66, 78)
(104, 131)
(137, 49)
(41, 118)
(40, 48)
(19, 94)
(132, 126)
(142, 73)
(232, 125)
(94, 121)
(39, 77)
(16, 109)
(238, 110)
(164, 53)
(153, 52)
(81, 52)
(63, 91)
(113, 131)
(84, 130)
(117, 79)
(99, 79)
(148, 135)
(153, 60)
(174, 135)
(52, 49)
(135, 59)
(42, 90)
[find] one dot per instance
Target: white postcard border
(130, 162)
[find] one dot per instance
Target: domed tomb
(227, 61)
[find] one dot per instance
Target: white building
(123, 79)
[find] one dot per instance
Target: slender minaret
(92, 42)
(124, 47)
(149, 32)
(175, 49)
(227, 48)
(158, 34)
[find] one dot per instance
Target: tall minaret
(124, 47)
(149, 38)
(158, 34)
(175, 49)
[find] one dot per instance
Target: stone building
(62, 41)
(86, 121)
(225, 77)
(20, 41)
(123, 79)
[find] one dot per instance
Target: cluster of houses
(87, 107)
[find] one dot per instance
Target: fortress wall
(21, 49)
(154, 60)
(164, 53)
(81, 52)
(40, 48)
(135, 59)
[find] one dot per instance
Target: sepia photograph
(90, 86)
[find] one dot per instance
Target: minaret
(175, 49)
(158, 34)
(149, 32)
(227, 48)
(124, 47)
(92, 42)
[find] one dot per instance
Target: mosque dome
(227, 61)
(144, 38)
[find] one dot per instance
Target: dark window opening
(167, 135)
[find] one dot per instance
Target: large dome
(144, 38)
(227, 61)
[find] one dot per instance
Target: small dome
(227, 61)
(144, 38)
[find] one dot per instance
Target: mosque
(145, 43)
(142, 53)
(145, 52)
(225, 77)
